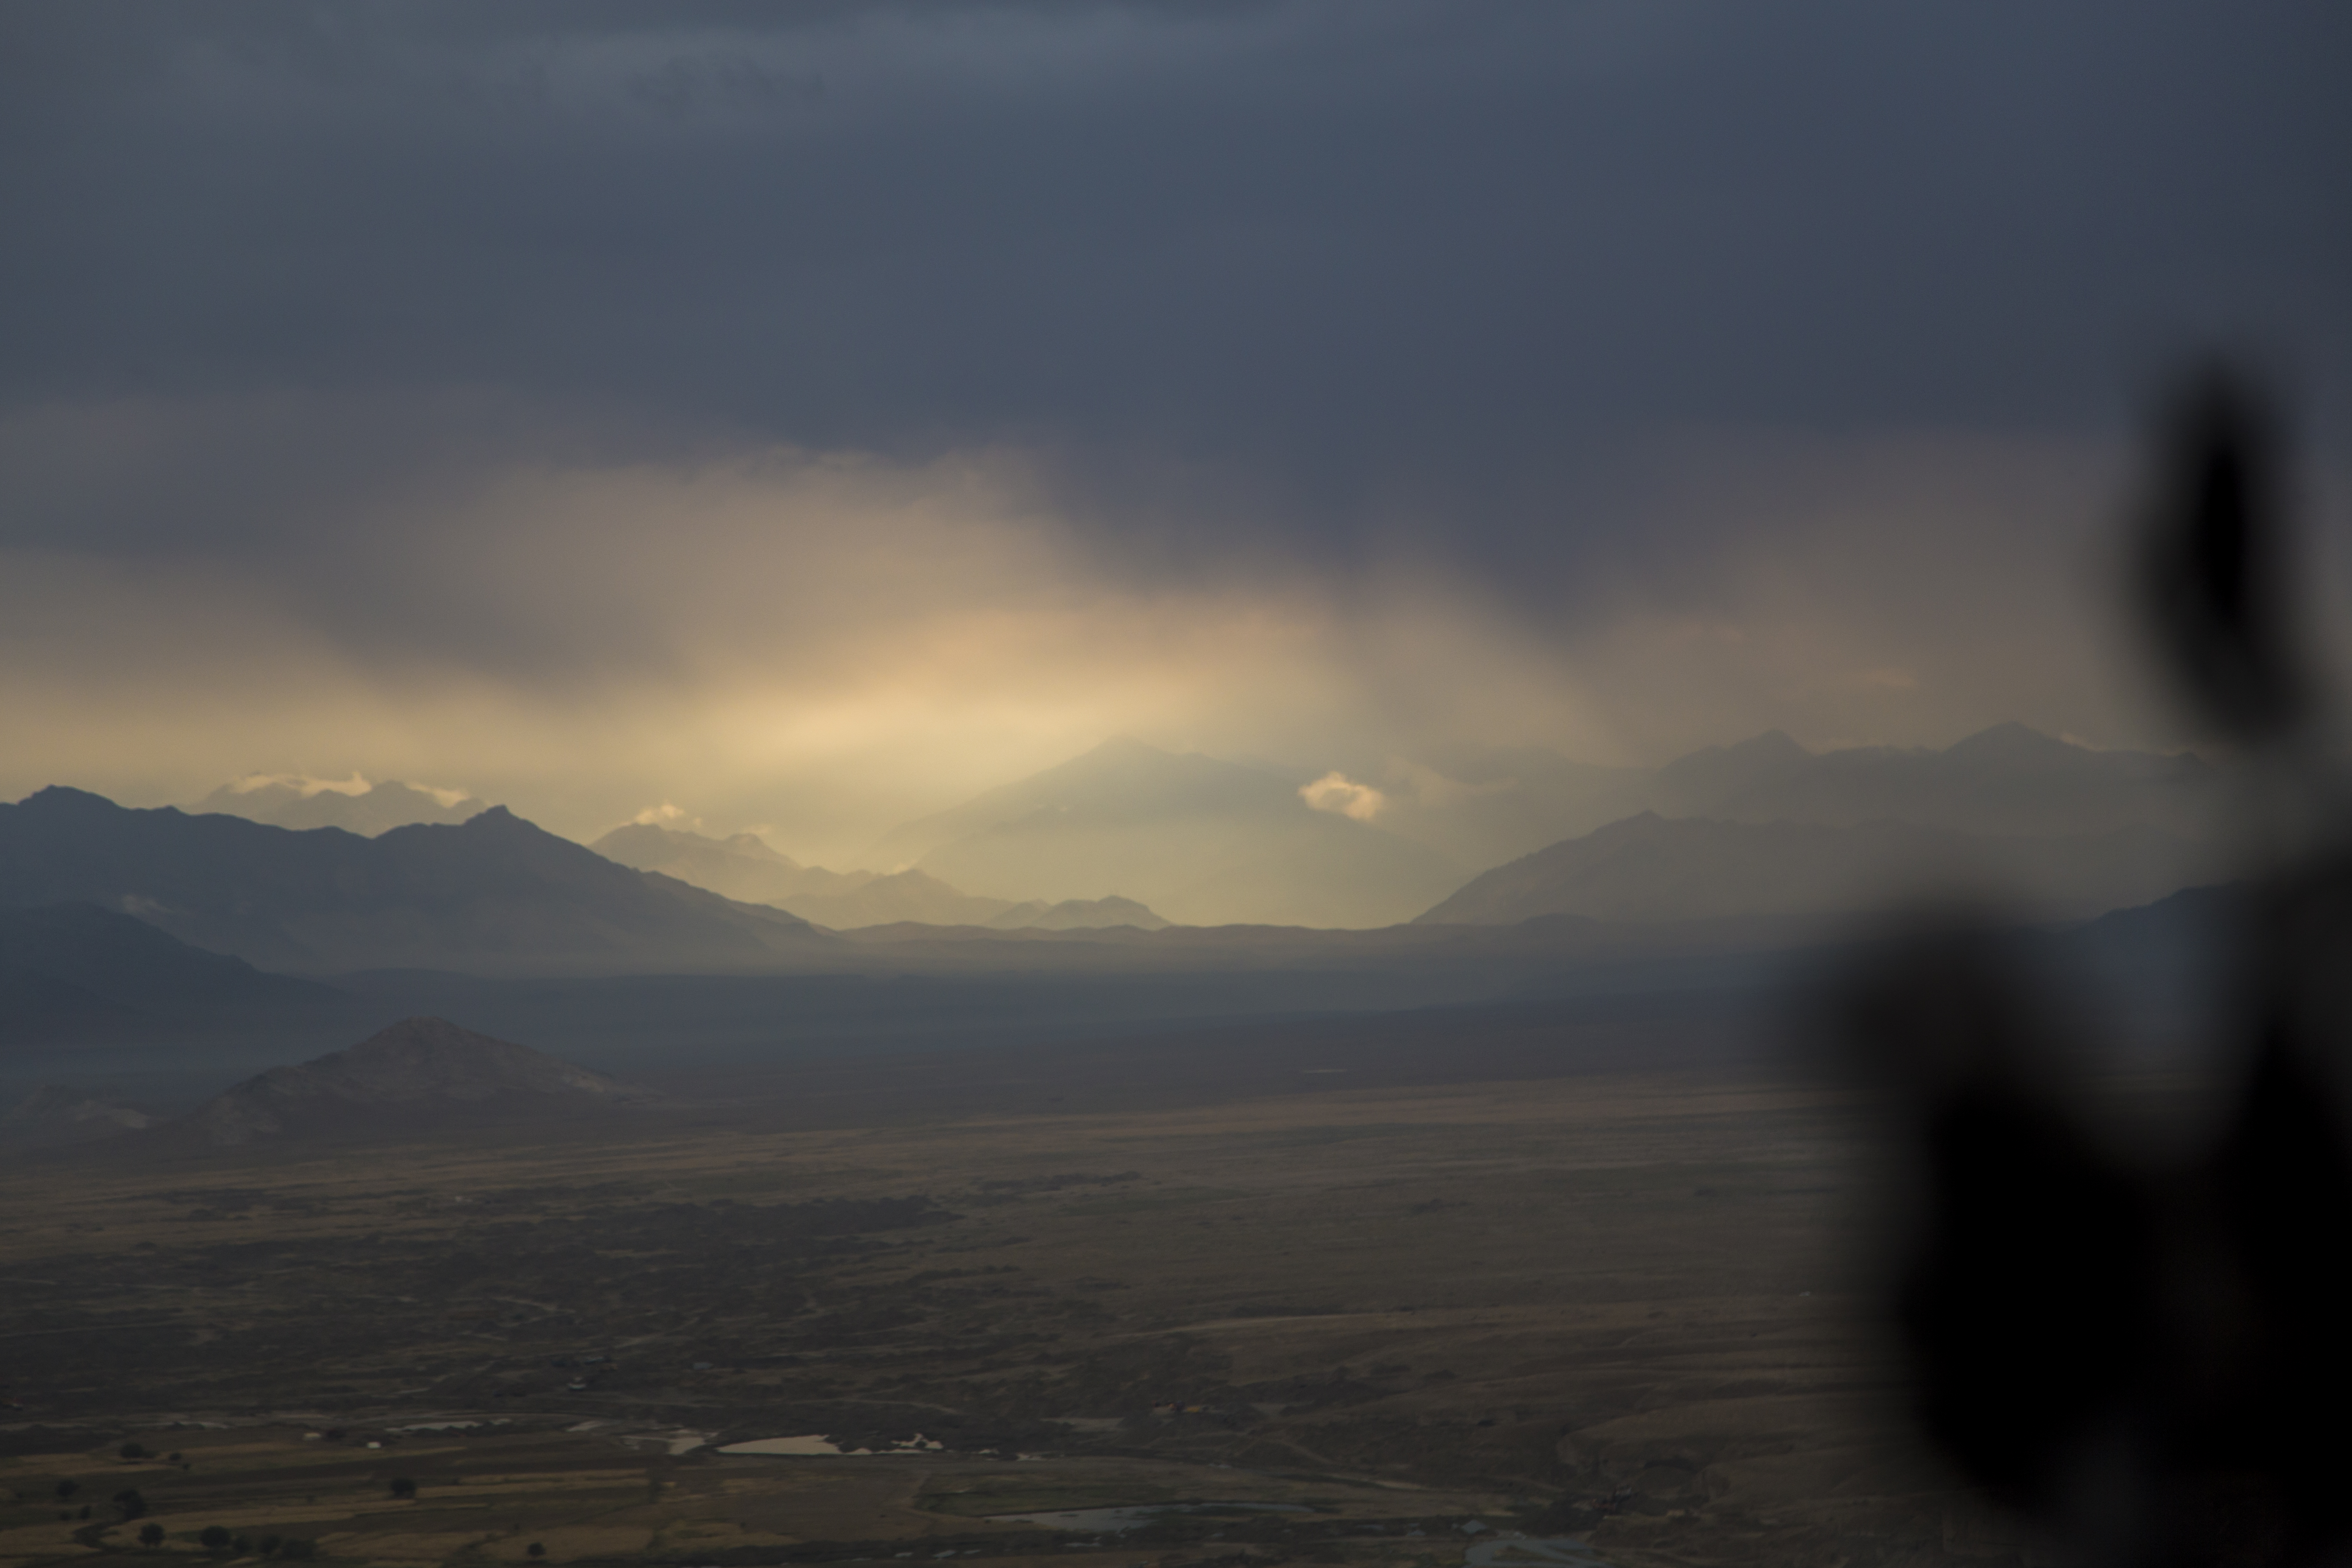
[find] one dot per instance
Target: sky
(808, 415)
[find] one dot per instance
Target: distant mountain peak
(2012, 739)
(64, 797)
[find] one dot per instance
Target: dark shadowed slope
(1653, 869)
(493, 895)
(419, 1074)
(1200, 840)
(79, 974)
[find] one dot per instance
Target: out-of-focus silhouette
(2147, 1354)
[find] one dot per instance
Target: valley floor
(1610, 1307)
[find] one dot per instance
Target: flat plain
(1311, 1311)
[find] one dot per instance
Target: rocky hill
(416, 1075)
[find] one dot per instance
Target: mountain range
(368, 811)
(1650, 867)
(1492, 806)
(2006, 780)
(744, 867)
(1206, 841)
(494, 894)
(1103, 846)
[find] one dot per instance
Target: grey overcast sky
(810, 412)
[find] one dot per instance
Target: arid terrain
(1424, 1316)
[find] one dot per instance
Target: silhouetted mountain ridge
(493, 894)
(1650, 867)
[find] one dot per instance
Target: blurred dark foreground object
(2148, 1357)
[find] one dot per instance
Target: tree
(131, 1504)
(215, 1538)
(66, 1490)
(133, 1451)
(402, 1486)
(150, 1535)
(298, 1549)
(271, 1543)
(537, 1548)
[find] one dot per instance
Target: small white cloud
(305, 786)
(1336, 792)
(447, 797)
(660, 816)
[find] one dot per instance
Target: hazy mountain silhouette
(1200, 840)
(374, 810)
(1482, 805)
(1700, 784)
(78, 975)
(1488, 807)
(1078, 914)
(1654, 868)
(740, 866)
(419, 1075)
(492, 895)
(743, 867)
(2007, 780)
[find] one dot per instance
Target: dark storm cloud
(1311, 261)
(811, 414)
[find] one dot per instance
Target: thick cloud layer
(819, 409)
